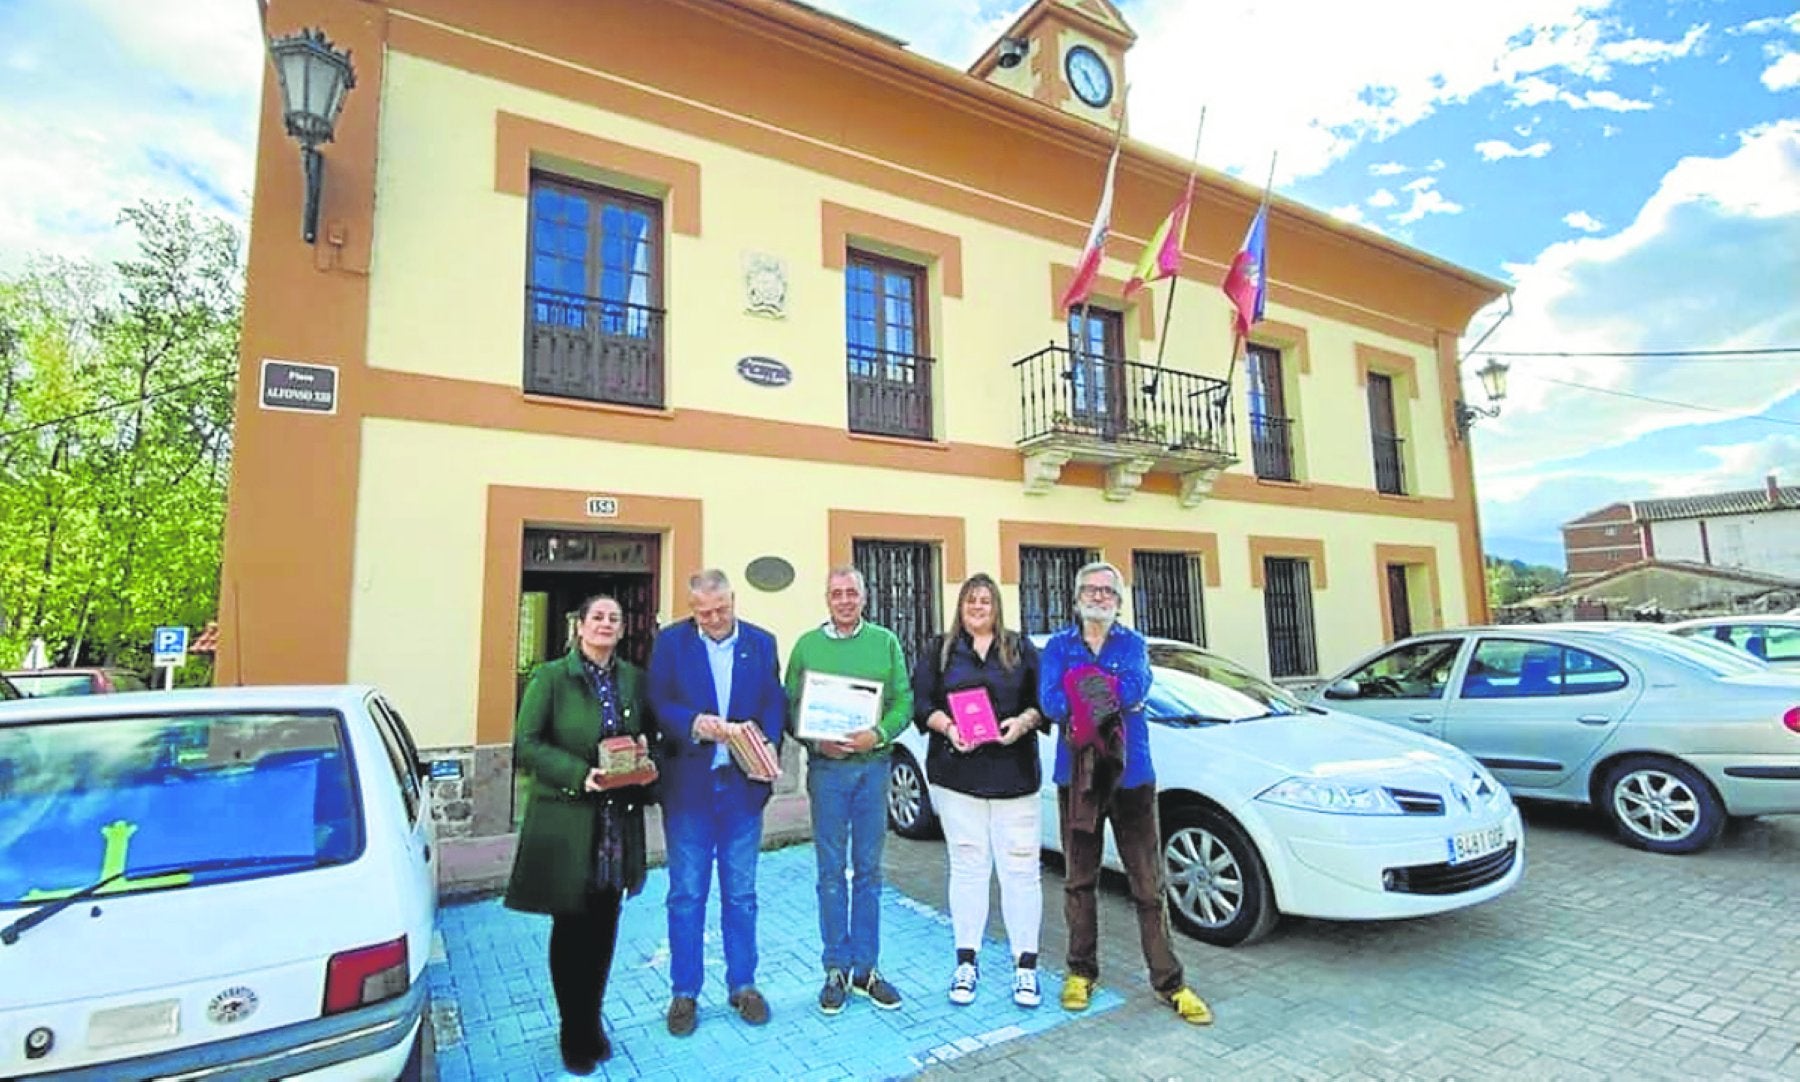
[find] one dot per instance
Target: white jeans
(982, 835)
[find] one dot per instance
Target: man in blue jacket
(710, 675)
(1093, 677)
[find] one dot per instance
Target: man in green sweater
(846, 783)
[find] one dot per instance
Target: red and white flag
(1086, 271)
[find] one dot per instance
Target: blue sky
(1632, 167)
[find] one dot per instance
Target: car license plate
(138, 1022)
(1474, 844)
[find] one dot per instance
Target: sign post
(168, 649)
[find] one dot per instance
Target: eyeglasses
(1099, 591)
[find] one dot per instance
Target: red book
(973, 713)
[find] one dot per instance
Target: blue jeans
(849, 811)
(695, 838)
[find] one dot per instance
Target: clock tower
(1069, 54)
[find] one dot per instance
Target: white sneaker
(962, 985)
(1025, 988)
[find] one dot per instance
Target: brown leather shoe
(684, 1015)
(751, 1006)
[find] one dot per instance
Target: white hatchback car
(1269, 807)
(221, 883)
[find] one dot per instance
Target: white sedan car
(1773, 639)
(1270, 807)
(231, 883)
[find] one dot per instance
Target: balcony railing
(1105, 400)
(599, 350)
(1272, 446)
(1390, 466)
(890, 393)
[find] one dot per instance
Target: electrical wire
(1715, 355)
(109, 407)
(1739, 414)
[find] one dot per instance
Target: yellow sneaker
(1189, 1006)
(1077, 992)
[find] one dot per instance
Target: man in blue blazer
(709, 675)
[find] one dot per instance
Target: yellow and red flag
(1162, 256)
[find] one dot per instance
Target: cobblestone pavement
(1605, 962)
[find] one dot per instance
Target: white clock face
(1089, 75)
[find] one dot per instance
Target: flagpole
(1169, 307)
(1240, 340)
(1080, 356)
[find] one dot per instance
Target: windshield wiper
(11, 933)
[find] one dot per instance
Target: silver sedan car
(1667, 736)
(1774, 639)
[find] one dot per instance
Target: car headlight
(1332, 797)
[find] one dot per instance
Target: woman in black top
(986, 793)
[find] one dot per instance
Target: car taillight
(366, 975)
(1791, 719)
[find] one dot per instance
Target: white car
(1269, 807)
(1774, 639)
(230, 883)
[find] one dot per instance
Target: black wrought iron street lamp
(1493, 383)
(315, 79)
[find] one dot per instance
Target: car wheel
(1217, 889)
(909, 799)
(1662, 805)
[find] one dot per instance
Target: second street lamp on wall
(315, 78)
(1493, 384)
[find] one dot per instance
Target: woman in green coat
(581, 848)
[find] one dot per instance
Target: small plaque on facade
(765, 284)
(304, 388)
(603, 506)
(765, 371)
(770, 573)
(446, 769)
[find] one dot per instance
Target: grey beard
(1096, 614)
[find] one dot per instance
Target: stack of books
(753, 753)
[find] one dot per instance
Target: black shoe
(684, 1015)
(879, 991)
(603, 1051)
(836, 990)
(579, 1056)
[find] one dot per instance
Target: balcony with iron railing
(594, 349)
(1390, 464)
(890, 393)
(1131, 418)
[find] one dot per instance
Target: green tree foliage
(1512, 581)
(116, 395)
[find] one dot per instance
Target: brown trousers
(1139, 837)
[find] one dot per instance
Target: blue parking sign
(168, 645)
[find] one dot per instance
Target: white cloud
(1436, 166)
(1741, 465)
(1493, 150)
(1649, 51)
(1426, 200)
(1419, 184)
(1609, 100)
(1351, 213)
(1583, 221)
(1383, 198)
(1784, 73)
(1387, 169)
(1708, 263)
(1535, 90)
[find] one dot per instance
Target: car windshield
(1709, 654)
(1190, 686)
(53, 684)
(84, 799)
(1264, 699)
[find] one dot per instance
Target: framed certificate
(833, 707)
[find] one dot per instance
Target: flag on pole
(1162, 256)
(1088, 269)
(1246, 283)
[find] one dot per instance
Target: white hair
(709, 581)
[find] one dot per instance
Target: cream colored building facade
(781, 156)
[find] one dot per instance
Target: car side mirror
(1344, 689)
